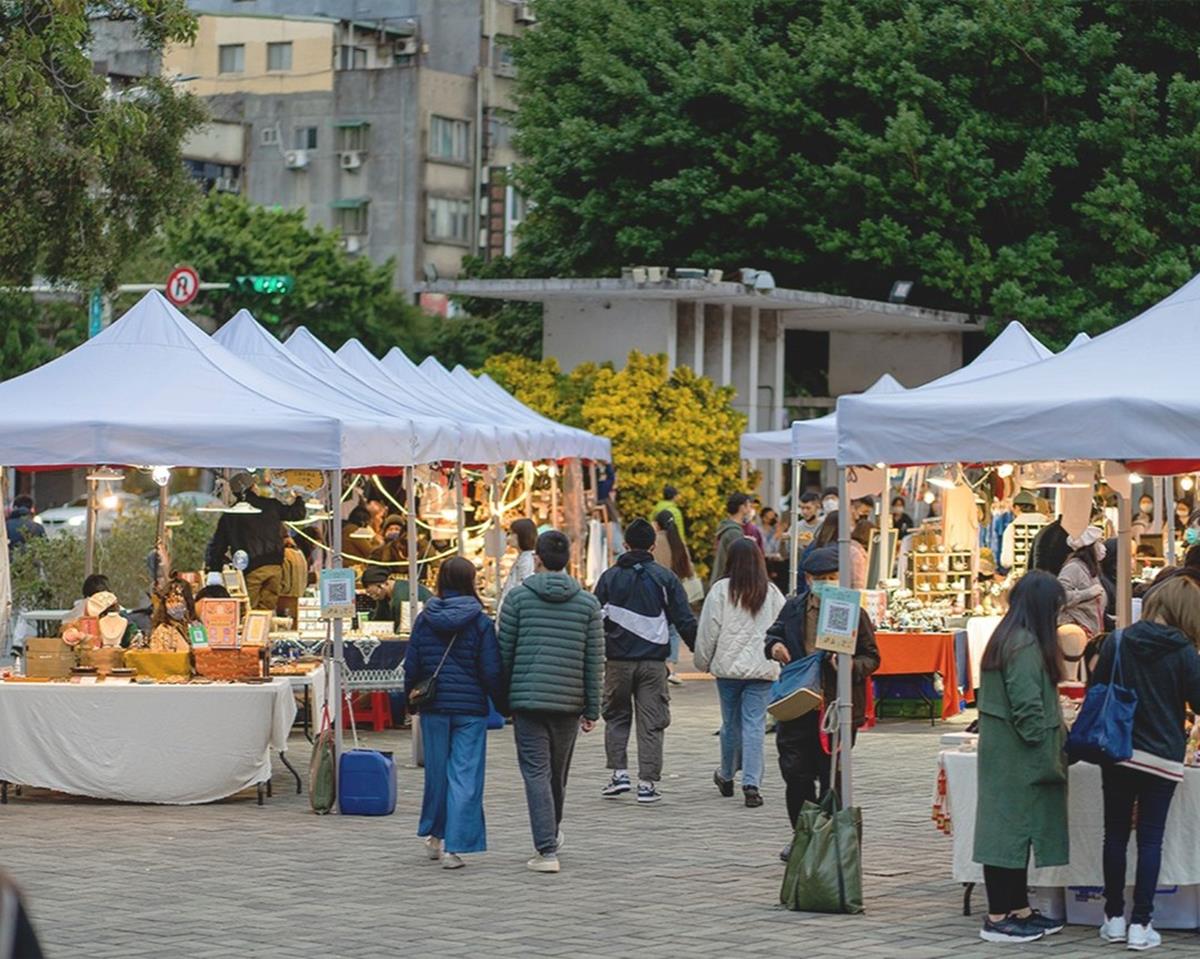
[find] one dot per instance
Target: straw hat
(97, 603)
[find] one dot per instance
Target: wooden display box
(105, 660)
(158, 665)
(48, 658)
(229, 663)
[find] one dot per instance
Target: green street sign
(266, 284)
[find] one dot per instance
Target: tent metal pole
(527, 468)
(497, 474)
(460, 509)
(794, 535)
(1124, 559)
(1168, 483)
(555, 520)
(410, 493)
(885, 527)
(89, 561)
(335, 684)
(845, 661)
(163, 556)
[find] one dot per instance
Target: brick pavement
(696, 875)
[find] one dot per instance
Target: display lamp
(1064, 480)
(242, 508)
(929, 497)
(1005, 470)
(173, 521)
(1135, 478)
(161, 475)
(105, 474)
(109, 501)
(1186, 484)
(314, 505)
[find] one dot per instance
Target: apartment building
(388, 120)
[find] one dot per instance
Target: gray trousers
(545, 743)
(636, 686)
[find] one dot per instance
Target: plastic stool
(377, 711)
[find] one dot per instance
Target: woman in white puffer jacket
(729, 644)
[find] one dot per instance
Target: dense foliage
(677, 428)
(1030, 159)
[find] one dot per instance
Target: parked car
(70, 519)
(193, 498)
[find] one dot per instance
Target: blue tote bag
(1103, 731)
(797, 691)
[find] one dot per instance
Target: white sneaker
(540, 863)
(433, 846)
(452, 861)
(1144, 937)
(559, 841)
(1113, 929)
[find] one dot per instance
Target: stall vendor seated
(174, 612)
(101, 604)
(389, 597)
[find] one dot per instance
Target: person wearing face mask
(392, 550)
(174, 611)
(829, 500)
(901, 521)
(1081, 618)
(1183, 513)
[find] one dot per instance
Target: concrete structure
(737, 336)
(390, 121)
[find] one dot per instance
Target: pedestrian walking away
(671, 552)
(454, 640)
(738, 509)
(803, 762)
(1022, 770)
(552, 650)
(733, 626)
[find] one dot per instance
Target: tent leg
(89, 560)
(460, 509)
(162, 555)
(845, 661)
(555, 521)
(885, 528)
(410, 491)
(794, 539)
(335, 677)
(1125, 558)
(497, 474)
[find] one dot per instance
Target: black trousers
(804, 765)
(1007, 889)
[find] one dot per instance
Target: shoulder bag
(423, 693)
(1103, 731)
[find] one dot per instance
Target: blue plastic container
(366, 783)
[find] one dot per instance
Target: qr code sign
(838, 620)
(339, 593)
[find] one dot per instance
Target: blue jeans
(1122, 788)
(673, 655)
(743, 727)
(455, 759)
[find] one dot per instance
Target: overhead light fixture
(1186, 484)
(1135, 478)
(109, 501)
(161, 475)
(211, 508)
(1005, 470)
(173, 521)
(900, 291)
(106, 474)
(1064, 480)
(929, 497)
(242, 508)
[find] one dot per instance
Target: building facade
(389, 121)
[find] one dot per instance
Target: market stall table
(979, 634)
(176, 744)
(34, 623)
(922, 654)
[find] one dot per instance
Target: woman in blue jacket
(454, 631)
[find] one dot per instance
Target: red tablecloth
(908, 654)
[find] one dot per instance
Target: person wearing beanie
(641, 601)
(392, 551)
(793, 635)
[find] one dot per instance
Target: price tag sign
(337, 593)
(837, 622)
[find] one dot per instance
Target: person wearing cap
(668, 503)
(388, 595)
(641, 601)
(1025, 510)
(1081, 618)
(551, 636)
(802, 761)
(260, 535)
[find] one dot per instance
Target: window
(305, 138)
(448, 220)
(231, 58)
(350, 217)
(352, 135)
(269, 136)
(279, 56)
(448, 139)
(503, 64)
(353, 58)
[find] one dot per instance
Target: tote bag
(797, 691)
(1103, 731)
(824, 870)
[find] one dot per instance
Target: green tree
(33, 333)
(336, 295)
(1029, 159)
(85, 171)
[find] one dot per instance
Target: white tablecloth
(979, 631)
(155, 744)
(1085, 811)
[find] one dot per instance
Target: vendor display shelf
(1023, 536)
(944, 572)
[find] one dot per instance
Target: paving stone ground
(696, 875)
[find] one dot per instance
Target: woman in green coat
(1022, 769)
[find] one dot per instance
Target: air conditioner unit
(525, 14)
(227, 184)
(351, 244)
(503, 69)
(407, 47)
(296, 159)
(351, 159)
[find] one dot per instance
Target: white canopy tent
(152, 388)
(396, 441)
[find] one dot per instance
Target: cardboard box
(48, 658)
(1175, 907)
(1051, 901)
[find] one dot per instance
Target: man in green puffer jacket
(552, 649)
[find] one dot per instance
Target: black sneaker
(753, 799)
(617, 786)
(1045, 923)
(1010, 929)
(725, 786)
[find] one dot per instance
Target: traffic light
(269, 285)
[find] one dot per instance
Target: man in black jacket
(640, 601)
(793, 635)
(258, 531)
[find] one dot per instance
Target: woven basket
(229, 663)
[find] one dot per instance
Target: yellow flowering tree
(676, 428)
